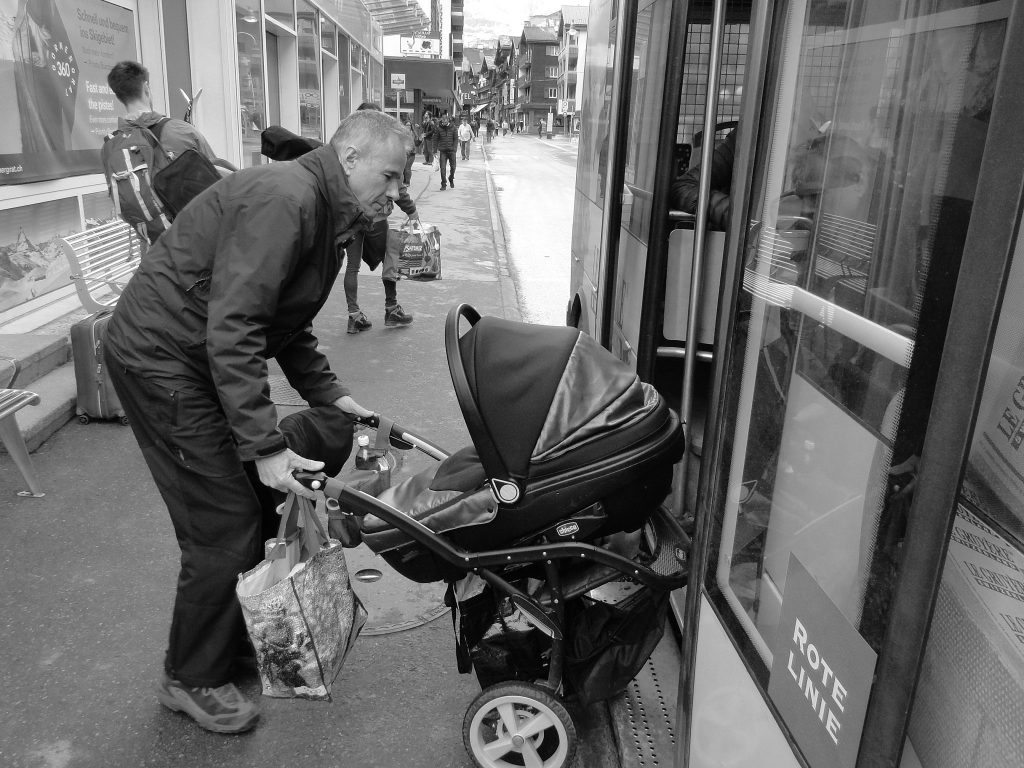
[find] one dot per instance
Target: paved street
(534, 181)
(89, 569)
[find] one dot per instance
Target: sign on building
(398, 82)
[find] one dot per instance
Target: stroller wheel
(517, 725)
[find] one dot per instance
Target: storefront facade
(243, 64)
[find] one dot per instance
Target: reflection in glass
(861, 199)
(282, 11)
(648, 81)
(252, 108)
(328, 35)
(310, 93)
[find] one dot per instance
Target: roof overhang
(398, 17)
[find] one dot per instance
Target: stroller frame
(549, 617)
(546, 562)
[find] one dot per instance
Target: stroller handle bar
(402, 438)
(361, 504)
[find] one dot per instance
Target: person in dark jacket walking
(236, 280)
(447, 142)
(429, 138)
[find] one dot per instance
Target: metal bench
(102, 261)
(12, 401)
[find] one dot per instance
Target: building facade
(572, 56)
(234, 66)
(537, 77)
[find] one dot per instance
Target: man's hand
(415, 219)
(275, 471)
(348, 405)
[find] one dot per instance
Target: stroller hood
(533, 393)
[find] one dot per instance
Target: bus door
(640, 126)
(842, 408)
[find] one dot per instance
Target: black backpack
(148, 184)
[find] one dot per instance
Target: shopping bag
(419, 250)
(299, 608)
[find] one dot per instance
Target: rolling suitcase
(96, 396)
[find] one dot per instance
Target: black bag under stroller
(549, 529)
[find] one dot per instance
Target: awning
(477, 109)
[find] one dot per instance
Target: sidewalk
(90, 568)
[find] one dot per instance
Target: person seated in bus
(687, 186)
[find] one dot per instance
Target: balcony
(525, 62)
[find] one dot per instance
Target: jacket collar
(348, 214)
(145, 120)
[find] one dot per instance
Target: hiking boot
(443, 187)
(396, 316)
(221, 710)
(358, 322)
(451, 183)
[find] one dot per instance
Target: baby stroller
(548, 529)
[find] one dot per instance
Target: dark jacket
(238, 279)
(685, 189)
(447, 137)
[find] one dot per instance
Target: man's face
(375, 173)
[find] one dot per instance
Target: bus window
(969, 701)
(868, 155)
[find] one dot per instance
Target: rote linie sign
(821, 673)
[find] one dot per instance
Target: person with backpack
(144, 143)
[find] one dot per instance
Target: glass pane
(252, 111)
(646, 89)
(343, 76)
(282, 11)
(969, 704)
(310, 93)
(861, 199)
(594, 117)
(328, 36)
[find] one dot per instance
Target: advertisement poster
(54, 59)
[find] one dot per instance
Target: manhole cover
(393, 603)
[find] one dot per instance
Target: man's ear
(348, 157)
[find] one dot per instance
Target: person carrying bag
(299, 607)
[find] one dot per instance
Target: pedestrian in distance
(371, 246)
(447, 139)
(429, 138)
(129, 81)
(235, 281)
(504, 127)
(475, 125)
(465, 137)
(490, 129)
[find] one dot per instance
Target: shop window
(328, 36)
(252, 100)
(310, 92)
(281, 11)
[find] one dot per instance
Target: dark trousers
(218, 509)
(449, 156)
(428, 150)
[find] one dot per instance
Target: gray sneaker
(221, 710)
(396, 316)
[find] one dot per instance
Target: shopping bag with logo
(299, 608)
(419, 250)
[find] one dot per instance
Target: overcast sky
(486, 19)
